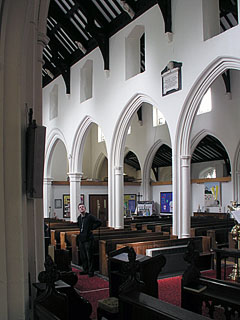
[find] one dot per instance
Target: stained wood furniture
(224, 254)
(148, 269)
(56, 297)
(108, 245)
(138, 305)
(213, 292)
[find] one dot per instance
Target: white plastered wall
(115, 99)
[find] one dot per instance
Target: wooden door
(98, 206)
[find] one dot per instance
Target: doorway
(98, 206)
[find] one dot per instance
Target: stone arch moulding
(78, 144)
(181, 206)
(236, 174)
(54, 136)
(98, 165)
(116, 158)
(147, 169)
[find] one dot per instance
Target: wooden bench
(97, 238)
(56, 235)
(132, 300)
(197, 289)
(56, 296)
(108, 245)
(219, 237)
(138, 305)
(174, 250)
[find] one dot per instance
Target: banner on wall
(166, 202)
(145, 208)
(212, 194)
(130, 203)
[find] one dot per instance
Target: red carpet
(169, 290)
(92, 289)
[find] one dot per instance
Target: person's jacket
(86, 224)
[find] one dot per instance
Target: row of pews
(142, 236)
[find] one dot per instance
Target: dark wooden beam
(64, 22)
(62, 64)
(98, 33)
(166, 9)
(227, 81)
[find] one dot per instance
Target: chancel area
(132, 109)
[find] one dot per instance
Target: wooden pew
(136, 298)
(108, 245)
(202, 230)
(138, 305)
(197, 289)
(98, 237)
(56, 296)
(56, 234)
(219, 237)
(174, 250)
(202, 243)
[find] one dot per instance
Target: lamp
(127, 8)
(81, 47)
(49, 73)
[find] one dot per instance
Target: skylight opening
(102, 11)
(64, 39)
(116, 8)
(83, 17)
(206, 103)
(61, 7)
(66, 4)
(101, 136)
(45, 55)
(70, 40)
(79, 29)
(158, 118)
(62, 43)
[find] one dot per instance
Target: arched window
(206, 103)
(158, 118)
(208, 173)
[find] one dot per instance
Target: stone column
(237, 187)
(47, 196)
(186, 196)
(119, 212)
(75, 186)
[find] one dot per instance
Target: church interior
(131, 108)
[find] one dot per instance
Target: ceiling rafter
(99, 33)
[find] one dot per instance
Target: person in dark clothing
(87, 222)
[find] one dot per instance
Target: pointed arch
(236, 174)
(183, 135)
(117, 156)
(78, 144)
(98, 165)
(147, 168)
(54, 136)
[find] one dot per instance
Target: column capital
(47, 180)
(75, 176)
(185, 160)
(118, 170)
(42, 39)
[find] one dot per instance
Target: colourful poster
(129, 203)
(165, 202)
(212, 194)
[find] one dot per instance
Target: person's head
(81, 208)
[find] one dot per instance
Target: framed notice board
(66, 205)
(165, 202)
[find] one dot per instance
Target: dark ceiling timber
(209, 149)
(76, 27)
